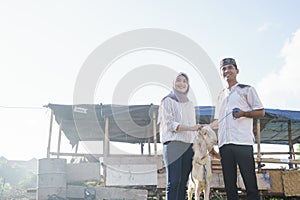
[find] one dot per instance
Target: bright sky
(44, 44)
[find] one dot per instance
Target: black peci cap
(228, 61)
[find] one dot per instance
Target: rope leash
(225, 117)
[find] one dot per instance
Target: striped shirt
(172, 114)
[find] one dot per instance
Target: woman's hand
(189, 128)
(198, 127)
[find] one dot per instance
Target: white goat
(200, 176)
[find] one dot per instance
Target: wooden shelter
(137, 124)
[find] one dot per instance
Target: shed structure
(137, 124)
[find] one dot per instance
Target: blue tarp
(274, 125)
(288, 114)
(133, 124)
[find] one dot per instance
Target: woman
(178, 130)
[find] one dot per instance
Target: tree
(15, 180)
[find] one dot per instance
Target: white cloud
(282, 89)
(264, 27)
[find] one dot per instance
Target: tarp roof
(134, 124)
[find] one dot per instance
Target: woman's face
(181, 84)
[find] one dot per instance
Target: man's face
(229, 72)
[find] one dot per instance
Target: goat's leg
(198, 190)
(206, 192)
(208, 179)
(190, 190)
(207, 187)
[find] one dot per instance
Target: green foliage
(28, 182)
(216, 195)
(13, 174)
(15, 180)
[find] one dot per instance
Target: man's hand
(237, 113)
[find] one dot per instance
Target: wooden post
(50, 134)
(142, 148)
(291, 149)
(154, 133)
(59, 139)
(76, 148)
(149, 146)
(258, 145)
(106, 138)
(149, 140)
(105, 148)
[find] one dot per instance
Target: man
(237, 105)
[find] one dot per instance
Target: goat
(200, 176)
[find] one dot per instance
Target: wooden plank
(217, 181)
(291, 182)
(137, 159)
(128, 170)
(281, 161)
(108, 193)
(263, 181)
(217, 178)
(77, 154)
(161, 178)
(216, 164)
(131, 175)
(82, 172)
(275, 180)
(277, 153)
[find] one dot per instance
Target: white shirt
(236, 131)
(172, 114)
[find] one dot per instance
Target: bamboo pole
(105, 148)
(291, 149)
(76, 148)
(149, 140)
(59, 139)
(149, 146)
(50, 134)
(106, 138)
(142, 148)
(258, 145)
(77, 154)
(278, 161)
(279, 153)
(154, 133)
